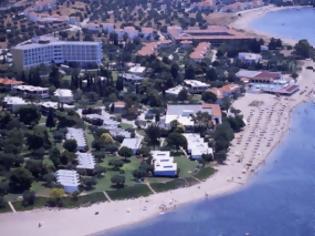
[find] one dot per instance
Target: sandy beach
(246, 17)
(267, 117)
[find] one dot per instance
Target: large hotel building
(49, 51)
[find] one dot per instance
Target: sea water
(295, 23)
(279, 201)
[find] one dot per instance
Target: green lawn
(186, 166)
(40, 189)
(104, 183)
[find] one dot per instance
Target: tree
(56, 195)
(29, 115)
(120, 84)
(28, 198)
(106, 138)
(54, 76)
(209, 97)
(35, 140)
(117, 163)
(177, 140)
(35, 167)
(220, 156)
(50, 122)
(20, 180)
(207, 157)
(182, 95)
(118, 181)
(303, 49)
(153, 134)
(70, 145)
(125, 152)
(8, 160)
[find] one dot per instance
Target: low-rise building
(119, 106)
(174, 91)
(133, 143)
(31, 91)
(164, 164)
(269, 82)
(64, 95)
(196, 146)
(14, 103)
(137, 69)
(7, 84)
(249, 58)
(196, 86)
(183, 113)
(69, 179)
(200, 52)
(85, 161)
(227, 90)
(131, 79)
(77, 135)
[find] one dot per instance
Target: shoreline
(246, 17)
(229, 178)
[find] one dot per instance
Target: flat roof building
(164, 164)
(14, 103)
(196, 86)
(77, 135)
(32, 91)
(249, 58)
(64, 95)
(69, 179)
(133, 143)
(183, 113)
(85, 161)
(196, 146)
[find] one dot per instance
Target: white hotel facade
(46, 52)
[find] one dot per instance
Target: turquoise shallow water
(293, 24)
(280, 200)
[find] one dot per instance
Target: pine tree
(50, 122)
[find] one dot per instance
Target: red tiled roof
(6, 81)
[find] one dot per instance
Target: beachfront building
(13, 103)
(249, 58)
(226, 91)
(196, 146)
(163, 164)
(51, 50)
(195, 86)
(69, 179)
(183, 113)
(269, 82)
(77, 134)
(64, 95)
(132, 143)
(85, 161)
(31, 91)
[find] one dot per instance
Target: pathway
(107, 197)
(11, 206)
